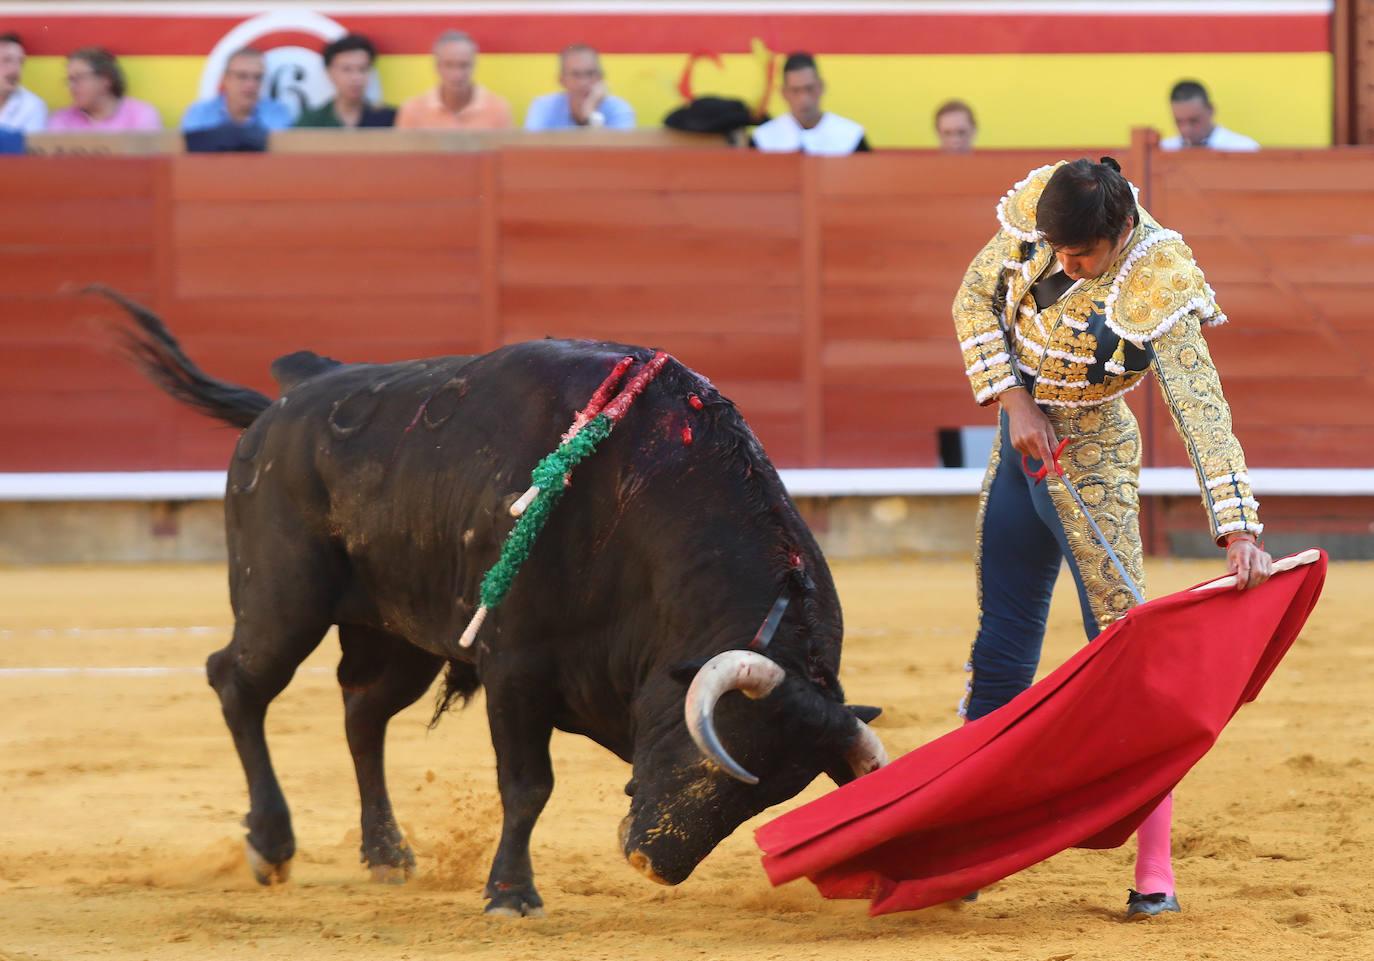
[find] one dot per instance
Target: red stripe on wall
(684, 33)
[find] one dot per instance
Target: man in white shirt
(806, 127)
(20, 109)
(1193, 117)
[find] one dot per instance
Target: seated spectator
(97, 87)
(955, 126)
(240, 104)
(348, 62)
(806, 127)
(457, 103)
(20, 109)
(1193, 117)
(585, 101)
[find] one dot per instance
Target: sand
(121, 797)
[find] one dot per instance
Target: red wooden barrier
(815, 292)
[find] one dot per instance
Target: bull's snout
(636, 847)
(641, 863)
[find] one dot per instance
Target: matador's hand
(1031, 432)
(1251, 563)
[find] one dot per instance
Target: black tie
(1049, 290)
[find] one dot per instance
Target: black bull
(375, 496)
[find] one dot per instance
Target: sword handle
(1040, 474)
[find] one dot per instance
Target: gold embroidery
(1102, 460)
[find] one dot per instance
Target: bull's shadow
(674, 571)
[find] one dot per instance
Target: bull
(675, 570)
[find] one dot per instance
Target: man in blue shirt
(239, 105)
(584, 102)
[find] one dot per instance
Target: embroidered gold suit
(1096, 343)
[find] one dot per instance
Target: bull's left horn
(746, 671)
(867, 752)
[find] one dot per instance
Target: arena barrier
(813, 291)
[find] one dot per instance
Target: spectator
(807, 128)
(348, 62)
(585, 101)
(20, 109)
(1193, 117)
(457, 103)
(240, 104)
(955, 126)
(98, 101)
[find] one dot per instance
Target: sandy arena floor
(121, 797)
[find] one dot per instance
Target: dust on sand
(121, 797)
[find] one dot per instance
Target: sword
(1078, 499)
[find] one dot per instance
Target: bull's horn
(867, 753)
(745, 671)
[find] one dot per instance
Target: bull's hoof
(390, 873)
(514, 901)
(264, 870)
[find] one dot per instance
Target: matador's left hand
(1251, 563)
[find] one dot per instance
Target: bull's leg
(380, 675)
(521, 725)
(247, 675)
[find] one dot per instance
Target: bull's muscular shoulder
(1016, 210)
(292, 369)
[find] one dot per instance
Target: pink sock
(1154, 874)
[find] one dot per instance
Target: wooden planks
(813, 291)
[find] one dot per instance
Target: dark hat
(711, 115)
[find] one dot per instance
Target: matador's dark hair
(1085, 202)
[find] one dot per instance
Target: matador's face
(1086, 261)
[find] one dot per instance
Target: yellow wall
(1280, 99)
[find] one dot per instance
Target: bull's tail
(157, 354)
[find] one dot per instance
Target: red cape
(1078, 760)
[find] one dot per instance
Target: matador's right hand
(1031, 432)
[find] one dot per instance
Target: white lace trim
(1235, 477)
(1028, 236)
(1137, 252)
(981, 339)
(1114, 368)
(1226, 505)
(986, 362)
(995, 389)
(1253, 528)
(1160, 329)
(1063, 383)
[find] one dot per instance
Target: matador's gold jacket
(1098, 340)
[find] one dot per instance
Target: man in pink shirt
(457, 103)
(97, 87)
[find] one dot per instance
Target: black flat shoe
(1148, 905)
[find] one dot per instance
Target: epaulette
(1159, 283)
(1016, 210)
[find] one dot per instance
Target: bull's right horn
(746, 671)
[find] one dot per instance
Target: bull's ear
(684, 672)
(865, 712)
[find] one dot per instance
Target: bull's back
(405, 471)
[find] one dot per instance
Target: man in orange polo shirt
(457, 103)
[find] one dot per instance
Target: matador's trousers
(1025, 531)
